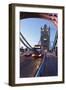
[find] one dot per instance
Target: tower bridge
(48, 64)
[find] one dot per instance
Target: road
(49, 66)
(29, 66)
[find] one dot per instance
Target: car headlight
(33, 54)
(39, 54)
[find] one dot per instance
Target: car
(37, 53)
(27, 54)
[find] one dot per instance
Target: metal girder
(24, 43)
(55, 40)
(25, 40)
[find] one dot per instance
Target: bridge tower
(45, 37)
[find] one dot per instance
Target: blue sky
(30, 28)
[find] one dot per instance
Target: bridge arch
(49, 16)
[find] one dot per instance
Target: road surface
(29, 66)
(47, 66)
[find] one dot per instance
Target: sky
(31, 28)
